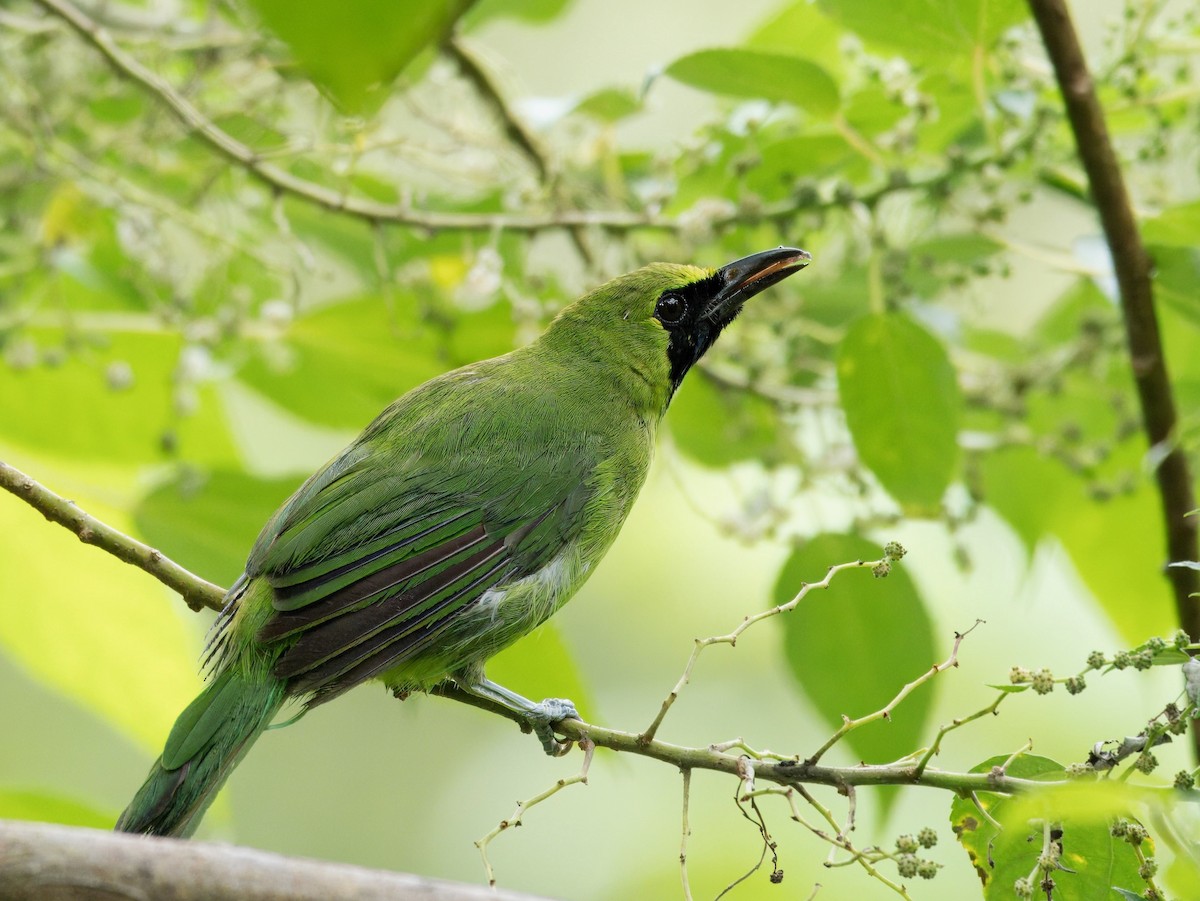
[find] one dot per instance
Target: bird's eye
(671, 309)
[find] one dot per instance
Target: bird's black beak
(742, 279)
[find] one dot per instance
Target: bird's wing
(377, 555)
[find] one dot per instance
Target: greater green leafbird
(459, 520)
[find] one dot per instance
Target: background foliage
(186, 330)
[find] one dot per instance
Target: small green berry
(1156, 644)
(1075, 685)
(907, 865)
(1181, 640)
(1143, 660)
(1043, 681)
(1148, 868)
(1119, 828)
(1019, 674)
(1177, 727)
(1184, 780)
(1096, 659)
(927, 869)
(1146, 762)
(1135, 833)
(927, 837)
(1023, 888)
(881, 569)
(894, 550)
(1121, 660)
(906, 844)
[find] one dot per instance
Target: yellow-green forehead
(645, 285)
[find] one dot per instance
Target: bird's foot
(542, 718)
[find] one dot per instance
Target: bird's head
(660, 319)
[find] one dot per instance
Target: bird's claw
(542, 718)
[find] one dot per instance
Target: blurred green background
(181, 346)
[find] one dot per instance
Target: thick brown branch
(196, 591)
(1133, 270)
(42, 860)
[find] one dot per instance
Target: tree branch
(1133, 271)
(43, 860)
(280, 180)
(196, 592)
(200, 593)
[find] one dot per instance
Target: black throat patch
(695, 332)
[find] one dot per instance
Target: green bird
(468, 512)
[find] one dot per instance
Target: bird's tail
(204, 746)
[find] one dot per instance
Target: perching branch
(196, 592)
(44, 860)
(781, 771)
(1133, 269)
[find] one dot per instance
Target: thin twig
(958, 723)
(1133, 270)
(687, 830)
(885, 713)
(523, 807)
(732, 637)
(196, 592)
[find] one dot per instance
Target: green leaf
(95, 630)
(46, 807)
(853, 646)
(208, 523)
(69, 406)
(785, 162)
(928, 31)
(1177, 278)
(354, 47)
(1178, 226)
(750, 73)
(344, 363)
(535, 12)
(801, 29)
(609, 104)
(716, 425)
(975, 833)
(902, 406)
(1095, 860)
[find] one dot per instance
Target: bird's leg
(540, 717)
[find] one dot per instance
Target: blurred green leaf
(749, 73)
(95, 630)
(782, 164)
(536, 12)
(342, 364)
(609, 104)
(541, 665)
(853, 646)
(900, 395)
(716, 425)
(1040, 497)
(208, 523)
(109, 399)
(801, 29)
(929, 31)
(1177, 278)
(1178, 226)
(353, 47)
(47, 807)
